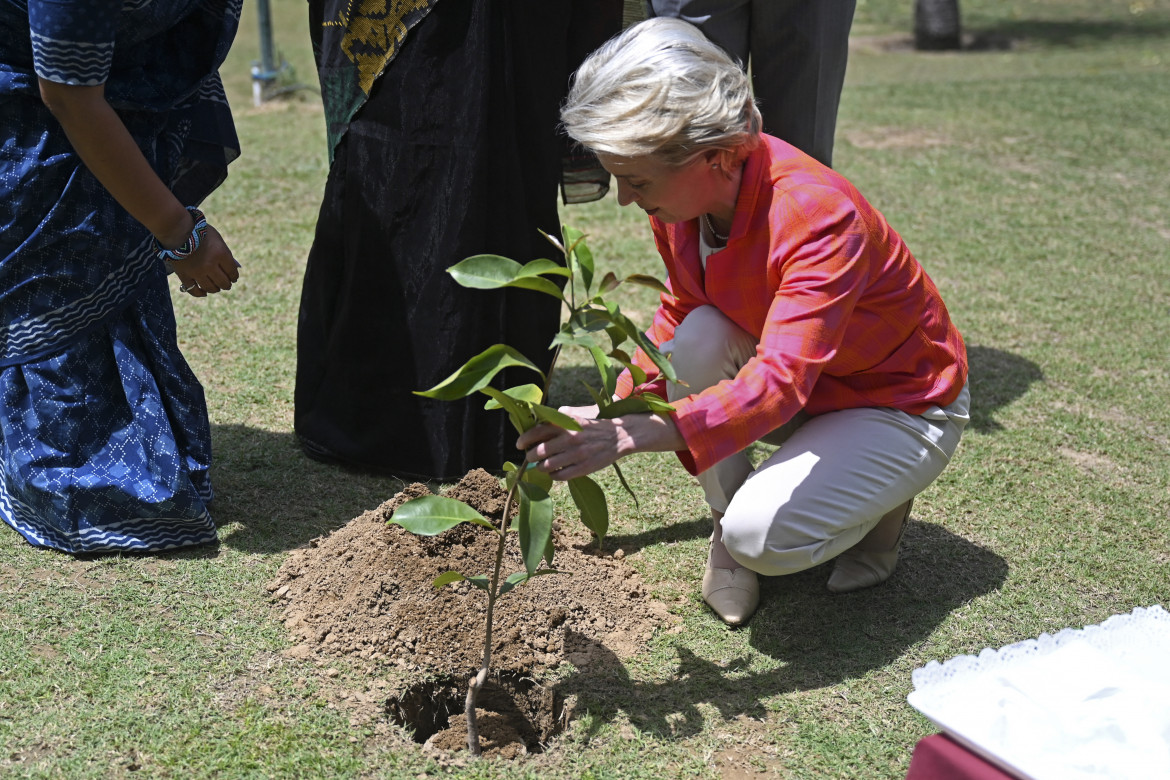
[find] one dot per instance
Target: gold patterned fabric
(354, 41)
(373, 32)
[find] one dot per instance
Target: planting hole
(517, 715)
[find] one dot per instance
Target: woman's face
(670, 193)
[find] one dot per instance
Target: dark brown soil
(364, 591)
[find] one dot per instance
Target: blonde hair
(661, 89)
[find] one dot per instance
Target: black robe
(456, 152)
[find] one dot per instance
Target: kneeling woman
(799, 318)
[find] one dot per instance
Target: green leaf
(639, 338)
(606, 370)
(599, 399)
(490, 272)
(658, 358)
(633, 404)
(658, 405)
(637, 373)
(641, 403)
(446, 578)
(621, 320)
(519, 413)
(529, 394)
(560, 419)
(553, 240)
(514, 580)
(540, 284)
(478, 372)
(616, 338)
(512, 477)
(591, 503)
(432, 515)
(649, 281)
(485, 272)
(542, 267)
(590, 320)
(622, 478)
(534, 524)
(585, 260)
(521, 577)
(609, 282)
(539, 478)
(566, 336)
(578, 256)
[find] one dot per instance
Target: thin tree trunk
(476, 683)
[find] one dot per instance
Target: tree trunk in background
(936, 25)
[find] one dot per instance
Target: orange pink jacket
(844, 315)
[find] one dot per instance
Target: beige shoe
(733, 594)
(858, 568)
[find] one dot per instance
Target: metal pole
(263, 72)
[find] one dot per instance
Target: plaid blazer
(844, 314)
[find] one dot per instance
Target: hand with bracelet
(203, 262)
(192, 248)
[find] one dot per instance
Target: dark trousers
(798, 51)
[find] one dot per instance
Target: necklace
(711, 227)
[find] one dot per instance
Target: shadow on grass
(818, 638)
(997, 379)
(271, 497)
(202, 552)
(682, 531)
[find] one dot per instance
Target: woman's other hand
(565, 454)
(111, 154)
(211, 269)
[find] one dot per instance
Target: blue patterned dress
(104, 437)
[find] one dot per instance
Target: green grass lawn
(1029, 179)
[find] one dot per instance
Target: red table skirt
(938, 757)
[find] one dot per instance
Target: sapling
(592, 323)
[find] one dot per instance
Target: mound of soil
(365, 591)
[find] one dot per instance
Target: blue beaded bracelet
(191, 245)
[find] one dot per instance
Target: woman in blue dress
(115, 127)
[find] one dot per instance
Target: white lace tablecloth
(1080, 704)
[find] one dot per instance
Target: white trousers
(834, 475)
